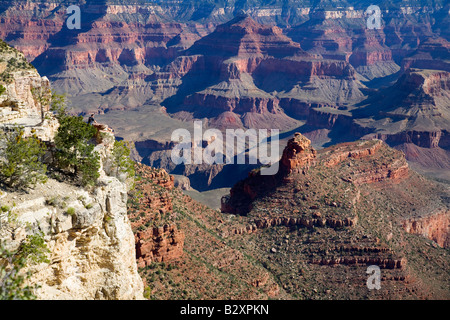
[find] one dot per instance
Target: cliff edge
(92, 250)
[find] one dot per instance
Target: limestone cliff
(91, 243)
(92, 250)
(22, 94)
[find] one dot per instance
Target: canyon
(316, 69)
(308, 232)
(315, 227)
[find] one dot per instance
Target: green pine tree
(31, 251)
(75, 151)
(121, 159)
(20, 164)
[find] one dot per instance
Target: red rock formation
(238, 56)
(420, 99)
(371, 165)
(296, 158)
(435, 227)
(298, 154)
(159, 245)
(154, 244)
(431, 54)
(237, 104)
(395, 170)
(382, 263)
(244, 37)
(341, 39)
(359, 151)
(264, 223)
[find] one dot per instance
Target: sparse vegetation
(121, 159)
(147, 293)
(71, 211)
(58, 105)
(13, 274)
(15, 61)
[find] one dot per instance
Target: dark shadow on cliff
(202, 75)
(5, 5)
(228, 176)
(336, 135)
(241, 202)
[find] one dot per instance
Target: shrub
(12, 62)
(71, 211)
(21, 166)
(2, 89)
(31, 251)
(147, 293)
(42, 96)
(52, 202)
(121, 159)
(58, 105)
(74, 152)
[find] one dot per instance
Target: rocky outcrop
(157, 237)
(431, 54)
(182, 182)
(24, 91)
(435, 227)
(396, 169)
(88, 234)
(265, 223)
(365, 162)
(423, 139)
(298, 154)
(363, 150)
(382, 263)
(243, 36)
(297, 157)
(424, 120)
(92, 252)
(238, 104)
(163, 244)
(351, 209)
(329, 118)
(343, 35)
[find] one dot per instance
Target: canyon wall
(435, 227)
(92, 249)
(157, 237)
(91, 244)
(265, 63)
